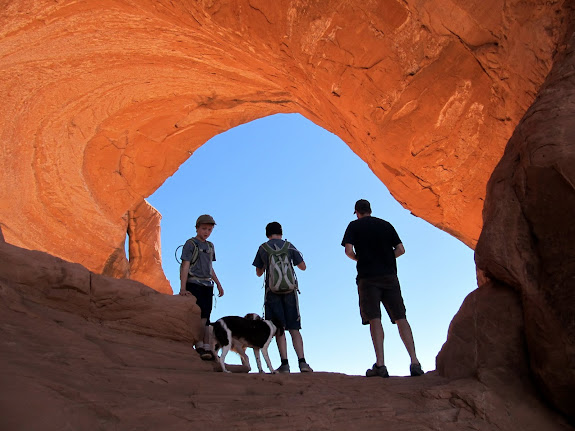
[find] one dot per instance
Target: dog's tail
(280, 330)
(221, 334)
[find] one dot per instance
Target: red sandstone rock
(145, 248)
(122, 304)
(527, 241)
(486, 338)
(123, 359)
(102, 102)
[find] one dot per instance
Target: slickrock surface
(49, 281)
(63, 370)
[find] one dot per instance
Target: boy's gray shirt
(202, 270)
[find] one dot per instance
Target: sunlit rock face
(102, 101)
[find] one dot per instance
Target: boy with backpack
(197, 277)
(276, 258)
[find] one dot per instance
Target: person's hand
(220, 290)
(184, 293)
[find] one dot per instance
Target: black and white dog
(238, 333)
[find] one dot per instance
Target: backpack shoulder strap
(211, 249)
(271, 250)
(195, 251)
(267, 248)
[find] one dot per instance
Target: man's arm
(297, 256)
(184, 268)
(398, 250)
(349, 252)
(259, 262)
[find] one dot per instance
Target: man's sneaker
(376, 371)
(305, 368)
(415, 370)
(284, 369)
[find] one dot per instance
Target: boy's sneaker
(305, 368)
(376, 371)
(284, 369)
(415, 370)
(208, 355)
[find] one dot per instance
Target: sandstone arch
(102, 103)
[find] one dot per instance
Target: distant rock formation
(102, 102)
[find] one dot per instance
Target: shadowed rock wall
(526, 249)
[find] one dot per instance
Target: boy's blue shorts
(285, 308)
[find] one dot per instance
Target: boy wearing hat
(197, 277)
(374, 244)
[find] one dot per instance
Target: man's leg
(282, 346)
(407, 338)
(377, 338)
(297, 341)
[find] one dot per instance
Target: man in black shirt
(375, 245)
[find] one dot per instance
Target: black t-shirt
(373, 240)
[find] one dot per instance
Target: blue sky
(285, 168)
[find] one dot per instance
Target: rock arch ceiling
(101, 102)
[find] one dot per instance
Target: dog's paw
(261, 372)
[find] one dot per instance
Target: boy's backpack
(280, 275)
(196, 253)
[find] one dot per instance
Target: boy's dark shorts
(384, 289)
(285, 308)
(204, 296)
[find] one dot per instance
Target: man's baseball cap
(362, 206)
(205, 219)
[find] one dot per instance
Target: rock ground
(64, 370)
